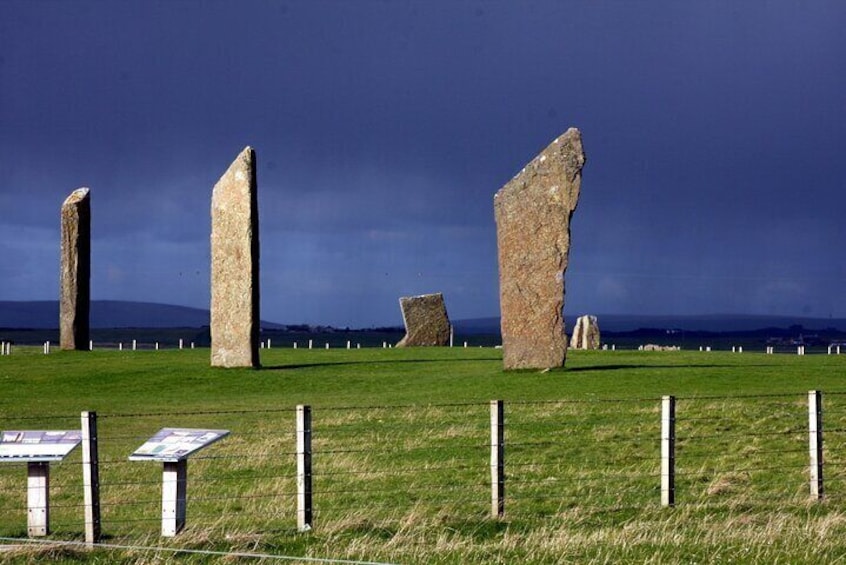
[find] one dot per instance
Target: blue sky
(714, 134)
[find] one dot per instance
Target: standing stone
(75, 292)
(585, 334)
(426, 321)
(235, 266)
(533, 214)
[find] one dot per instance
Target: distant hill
(44, 314)
(106, 314)
(706, 323)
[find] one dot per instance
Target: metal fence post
(815, 442)
(90, 477)
(304, 487)
(668, 451)
(497, 458)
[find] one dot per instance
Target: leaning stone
(235, 266)
(75, 292)
(533, 214)
(586, 333)
(426, 320)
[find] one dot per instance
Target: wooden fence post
(90, 477)
(668, 451)
(497, 458)
(304, 490)
(38, 499)
(815, 442)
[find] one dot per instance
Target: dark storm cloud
(713, 132)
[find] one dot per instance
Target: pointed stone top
(248, 155)
(240, 170)
(77, 195)
(565, 151)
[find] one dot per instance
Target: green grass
(401, 461)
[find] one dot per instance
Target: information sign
(176, 444)
(38, 445)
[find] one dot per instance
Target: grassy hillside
(401, 448)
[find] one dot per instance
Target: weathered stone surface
(235, 266)
(426, 320)
(75, 291)
(533, 214)
(585, 334)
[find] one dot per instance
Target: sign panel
(38, 445)
(176, 444)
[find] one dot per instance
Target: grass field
(401, 455)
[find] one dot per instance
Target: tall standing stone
(533, 213)
(426, 320)
(585, 333)
(75, 292)
(235, 266)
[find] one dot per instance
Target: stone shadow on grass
(633, 366)
(371, 362)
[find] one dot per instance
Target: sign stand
(37, 499)
(37, 449)
(174, 487)
(172, 446)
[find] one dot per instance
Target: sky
(714, 132)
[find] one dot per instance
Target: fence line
(444, 456)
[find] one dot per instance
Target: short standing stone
(533, 213)
(585, 334)
(426, 321)
(235, 266)
(75, 292)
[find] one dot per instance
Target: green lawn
(401, 456)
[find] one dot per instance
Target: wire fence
(382, 467)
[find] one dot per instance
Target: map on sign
(37, 445)
(175, 444)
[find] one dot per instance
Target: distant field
(401, 455)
